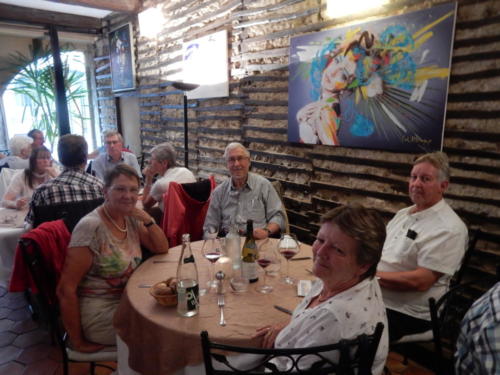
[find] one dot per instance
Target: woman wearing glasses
(23, 183)
(104, 250)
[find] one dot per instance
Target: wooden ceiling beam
(43, 17)
(129, 6)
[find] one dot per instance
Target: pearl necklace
(113, 222)
(40, 175)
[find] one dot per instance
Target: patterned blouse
(344, 316)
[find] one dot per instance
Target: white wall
(129, 108)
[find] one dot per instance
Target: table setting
(163, 342)
(11, 229)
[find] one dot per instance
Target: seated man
(73, 184)
(244, 196)
(114, 154)
(424, 247)
(162, 163)
(20, 151)
(38, 137)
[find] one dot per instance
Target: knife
(282, 309)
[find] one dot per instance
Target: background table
(162, 342)
(9, 236)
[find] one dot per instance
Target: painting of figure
(121, 53)
(380, 85)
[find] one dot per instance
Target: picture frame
(122, 58)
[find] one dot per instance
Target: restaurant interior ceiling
(30, 18)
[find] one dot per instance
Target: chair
(70, 212)
(45, 277)
(279, 189)
(356, 354)
(185, 208)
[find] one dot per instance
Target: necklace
(113, 222)
(40, 175)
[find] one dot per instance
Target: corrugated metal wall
(255, 113)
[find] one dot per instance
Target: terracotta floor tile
(31, 338)
(20, 314)
(3, 291)
(6, 325)
(24, 326)
(12, 368)
(4, 312)
(8, 353)
(44, 367)
(6, 338)
(15, 302)
(35, 353)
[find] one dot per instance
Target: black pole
(61, 103)
(186, 146)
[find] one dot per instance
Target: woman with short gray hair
(20, 151)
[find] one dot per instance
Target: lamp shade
(184, 86)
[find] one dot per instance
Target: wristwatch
(150, 223)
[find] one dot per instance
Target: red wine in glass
(213, 256)
(264, 262)
(288, 253)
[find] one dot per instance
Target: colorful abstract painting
(379, 85)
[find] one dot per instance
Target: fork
(220, 303)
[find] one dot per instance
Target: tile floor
(25, 348)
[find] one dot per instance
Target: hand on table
(269, 334)
(260, 234)
(21, 203)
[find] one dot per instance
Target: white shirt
(344, 316)
(435, 239)
(180, 175)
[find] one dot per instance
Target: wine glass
(212, 251)
(288, 246)
(266, 256)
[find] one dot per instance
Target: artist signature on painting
(415, 139)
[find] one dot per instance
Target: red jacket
(52, 238)
(183, 214)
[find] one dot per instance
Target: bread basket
(163, 299)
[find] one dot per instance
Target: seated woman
(20, 150)
(104, 250)
(346, 300)
(23, 183)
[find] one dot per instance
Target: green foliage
(35, 80)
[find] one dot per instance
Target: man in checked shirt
(73, 184)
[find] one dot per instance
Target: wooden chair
(44, 278)
(355, 356)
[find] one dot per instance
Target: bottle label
(192, 294)
(249, 270)
(189, 259)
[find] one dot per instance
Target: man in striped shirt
(73, 184)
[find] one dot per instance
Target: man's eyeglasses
(238, 159)
(123, 190)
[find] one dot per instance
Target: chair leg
(92, 368)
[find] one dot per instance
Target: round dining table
(11, 229)
(162, 342)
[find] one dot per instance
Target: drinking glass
(288, 246)
(212, 251)
(266, 257)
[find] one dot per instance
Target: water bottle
(233, 247)
(187, 281)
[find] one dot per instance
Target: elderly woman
(24, 182)
(104, 250)
(346, 300)
(20, 150)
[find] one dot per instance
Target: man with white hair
(162, 163)
(244, 196)
(114, 154)
(20, 151)
(424, 247)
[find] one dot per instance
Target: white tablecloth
(9, 235)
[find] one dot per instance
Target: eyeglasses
(238, 159)
(112, 142)
(123, 190)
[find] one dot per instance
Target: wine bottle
(249, 255)
(187, 281)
